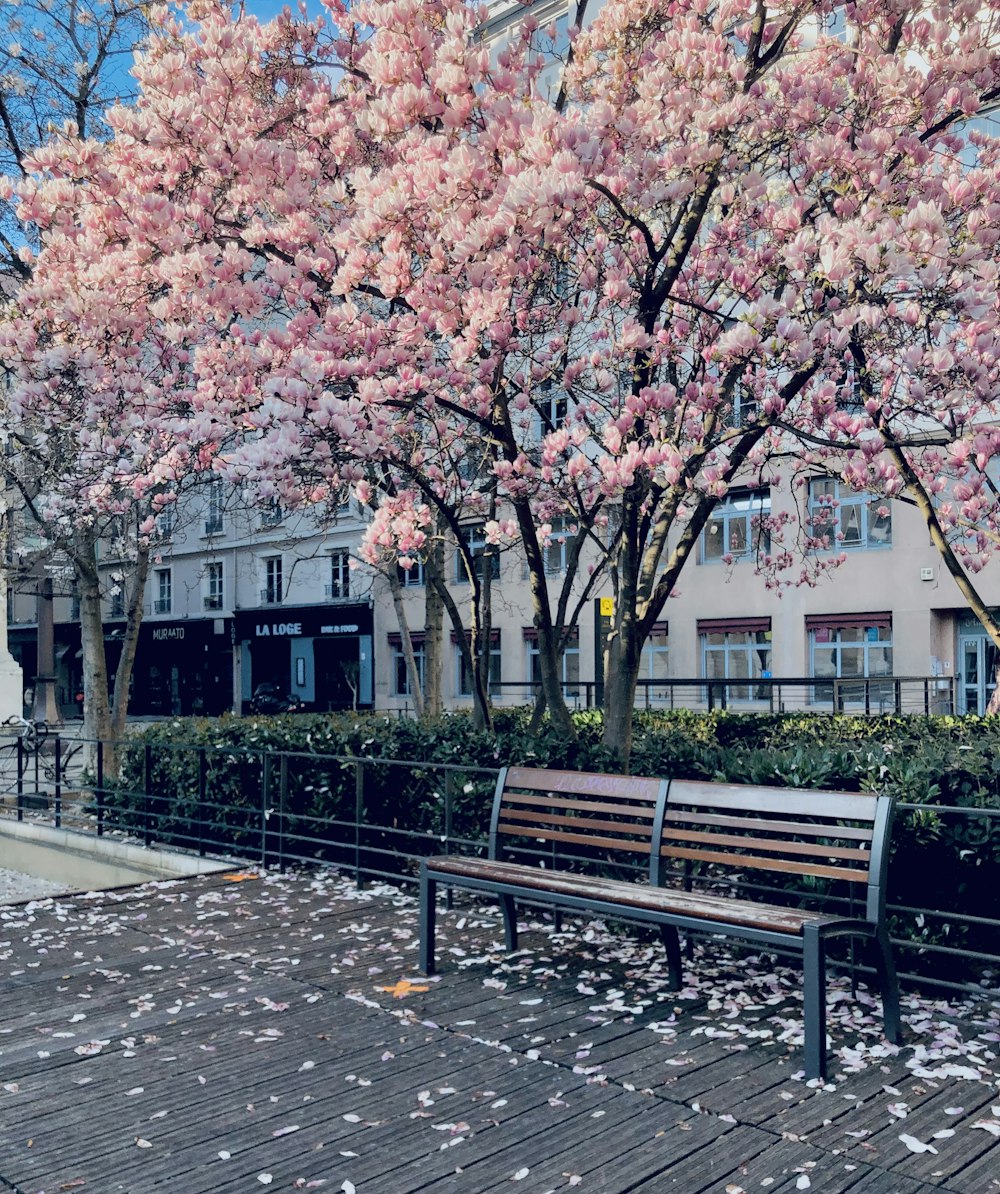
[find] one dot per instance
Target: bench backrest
(804, 833)
(798, 833)
(577, 812)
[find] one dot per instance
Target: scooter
(270, 699)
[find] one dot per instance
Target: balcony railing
(270, 597)
(213, 526)
(336, 592)
(161, 605)
(213, 602)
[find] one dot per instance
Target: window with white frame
(736, 530)
(735, 652)
(551, 408)
(848, 648)
(844, 518)
(214, 507)
(556, 551)
(654, 662)
(400, 673)
(412, 577)
(214, 594)
(272, 592)
(162, 591)
(271, 513)
(464, 684)
(480, 550)
(166, 521)
(569, 672)
(340, 574)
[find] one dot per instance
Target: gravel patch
(14, 886)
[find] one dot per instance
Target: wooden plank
(777, 845)
(739, 861)
(641, 812)
(587, 840)
(625, 787)
(851, 806)
(512, 819)
(801, 828)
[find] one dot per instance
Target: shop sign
(160, 633)
(278, 629)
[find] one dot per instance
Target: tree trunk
(97, 724)
(406, 642)
(130, 643)
(433, 631)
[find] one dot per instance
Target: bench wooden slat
(628, 894)
(802, 802)
(801, 828)
(739, 861)
(517, 816)
(640, 812)
(775, 845)
(628, 787)
(581, 839)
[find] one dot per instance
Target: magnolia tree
(750, 240)
(60, 66)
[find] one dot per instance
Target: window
(551, 409)
(845, 518)
(654, 655)
(554, 48)
(570, 669)
(271, 513)
(162, 590)
(340, 574)
(166, 520)
(851, 646)
(464, 684)
(734, 531)
(737, 651)
(214, 508)
(213, 585)
(271, 593)
(475, 537)
(401, 677)
(412, 577)
(556, 551)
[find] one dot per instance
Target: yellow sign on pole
(607, 607)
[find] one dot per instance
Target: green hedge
(941, 860)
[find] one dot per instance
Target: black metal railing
(375, 818)
(854, 694)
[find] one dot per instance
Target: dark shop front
(320, 654)
(182, 668)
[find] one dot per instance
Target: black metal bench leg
(889, 985)
(672, 944)
(557, 922)
(428, 913)
(509, 922)
(814, 1000)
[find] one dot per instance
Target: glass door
(979, 673)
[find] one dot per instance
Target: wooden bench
(729, 833)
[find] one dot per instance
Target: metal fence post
(20, 780)
(100, 787)
(57, 776)
(265, 787)
(147, 778)
(359, 811)
(202, 797)
(282, 795)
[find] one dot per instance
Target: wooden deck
(228, 1036)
